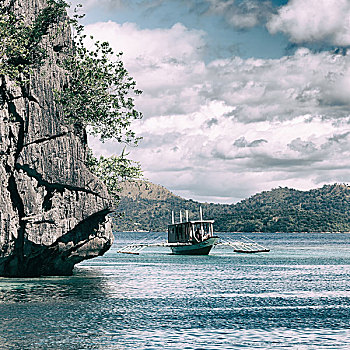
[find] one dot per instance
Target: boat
(191, 237)
(195, 237)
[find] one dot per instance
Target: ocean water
(295, 297)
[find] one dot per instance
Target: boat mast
(201, 217)
(172, 217)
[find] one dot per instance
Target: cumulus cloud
(282, 89)
(166, 63)
(313, 21)
(225, 130)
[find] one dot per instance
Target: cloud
(339, 137)
(224, 130)
(166, 63)
(242, 14)
(211, 122)
(282, 89)
(242, 142)
(325, 22)
(303, 147)
(313, 21)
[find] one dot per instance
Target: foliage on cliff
(113, 171)
(99, 93)
(21, 44)
(325, 209)
(99, 97)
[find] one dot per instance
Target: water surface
(297, 296)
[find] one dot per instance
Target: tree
(99, 94)
(98, 98)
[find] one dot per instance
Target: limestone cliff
(53, 211)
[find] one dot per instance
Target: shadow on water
(83, 285)
(54, 312)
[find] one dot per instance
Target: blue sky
(239, 96)
(222, 39)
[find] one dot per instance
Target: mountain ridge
(148, 207)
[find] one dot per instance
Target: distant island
(147, 207)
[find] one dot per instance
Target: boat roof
(193, 222)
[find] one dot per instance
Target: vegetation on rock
(21, 44)
(113, 171)
(98, 94)
(98, 98)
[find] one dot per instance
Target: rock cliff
(53, 211)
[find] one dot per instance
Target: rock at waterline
(53, 211)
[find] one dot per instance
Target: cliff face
(52, 209)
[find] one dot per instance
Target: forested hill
(327, 209)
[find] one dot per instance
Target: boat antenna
(180, 215)
(201, 213)
(172, 217)
(186, 215)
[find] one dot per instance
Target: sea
(297, 296)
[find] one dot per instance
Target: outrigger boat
(195, 238)
(191, 237)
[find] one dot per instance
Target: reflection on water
(85, 285)
(296, 296)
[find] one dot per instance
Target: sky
(239, 96)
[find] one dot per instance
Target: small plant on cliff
(21, 43)
(113, 170)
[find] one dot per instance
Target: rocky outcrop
(53, 211)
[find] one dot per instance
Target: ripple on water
(289, 298)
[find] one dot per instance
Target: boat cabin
(190, 231)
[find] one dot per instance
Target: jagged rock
(53, 211)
